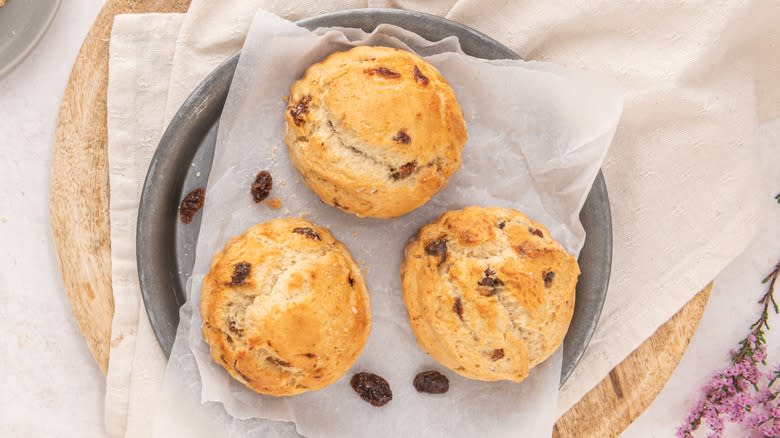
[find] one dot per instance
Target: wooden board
(80, 225)
(608, 409)
(79, 179)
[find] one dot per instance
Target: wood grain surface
(608, 409)
(80, 226)
(79, 179)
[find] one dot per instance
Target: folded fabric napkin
(682, 172)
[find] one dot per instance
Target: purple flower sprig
(742, 393)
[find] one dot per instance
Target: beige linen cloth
(683, 174)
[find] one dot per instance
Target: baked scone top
(489, 293)
(375, 131)
(285, 308)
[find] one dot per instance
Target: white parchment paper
(537, 136)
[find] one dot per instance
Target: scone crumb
(355, 234)
(274, 203)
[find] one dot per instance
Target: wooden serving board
(80, 225)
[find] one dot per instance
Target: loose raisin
(403, 171)
(262, 186)
(308, 232)
(548, 278)
(240, 273)
(420, 77)
(372, 388)
(437, 248)
(383, 71)
(402, 137)
(432, 382)
(191, 203)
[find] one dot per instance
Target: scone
(374, 131)
(285, 308)
(489, 293)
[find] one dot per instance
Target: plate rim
(192, 109)
(21, 56)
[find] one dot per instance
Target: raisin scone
(374, 131)
(285, 308)
(488, 291)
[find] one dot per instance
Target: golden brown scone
(489, 293)
(374, 131)
(285, 308)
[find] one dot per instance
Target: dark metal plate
(166, 247)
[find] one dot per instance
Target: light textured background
(51, 386)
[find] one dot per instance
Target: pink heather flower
(742, 393)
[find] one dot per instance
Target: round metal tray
(166, 247)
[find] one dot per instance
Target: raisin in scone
(489, 293)
(374, 131)
(285, 308)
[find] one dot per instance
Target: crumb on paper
(355, 234)
(283, 183)
(304, 213)
(274, 203)
(285, 99)
(117, 340)
(198, 173)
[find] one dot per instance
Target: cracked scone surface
(489, 293)
(285, 308)
(374, 131)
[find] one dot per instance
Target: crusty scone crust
(496, 328)
(299, 320)
(344, 119)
